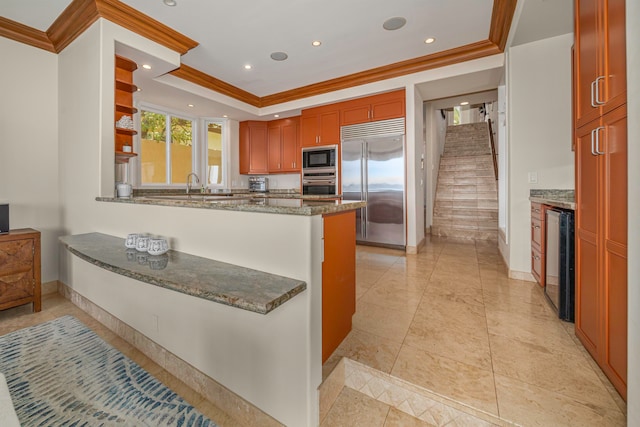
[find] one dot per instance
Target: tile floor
(54, 306)
(450, 321)
(447, 320)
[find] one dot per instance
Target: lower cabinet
(338, 279)
(601, 243)
(20, 269)
(538, 231)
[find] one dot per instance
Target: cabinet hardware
(597, 92)
(592, 142)
(592, 97)
(597, 132)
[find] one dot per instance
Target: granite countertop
(216, 281)
(564, 199)
(248, 202)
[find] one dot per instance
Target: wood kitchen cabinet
(385, 106)
(254, 148)
(124, 89)
(601, 184)
(600, 51)
(283, 148)
(338, 279)
(320, 126)
(601, 243)
(538, 245)
(20, 269)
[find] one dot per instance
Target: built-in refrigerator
(560, 271)
(373, 169)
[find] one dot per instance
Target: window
(172, 147)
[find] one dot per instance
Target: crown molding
(205, 80)
(501, 18)
(79, 16)
(411, 66)
(72, 22)
(136, 21)
(24, 34)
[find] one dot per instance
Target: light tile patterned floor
(55, 305)
(451, 322)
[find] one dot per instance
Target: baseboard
(521, 275)
(48, 288)
(225, 399)
(415, 249)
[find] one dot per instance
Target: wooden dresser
(20, 269)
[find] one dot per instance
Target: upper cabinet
(600, 58)
(124, 89)
(254, 148)
(284, 150)
(320, 126)
(385, 106)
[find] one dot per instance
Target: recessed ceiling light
(225, 116)
(316, 43)
(139, 90)
(464, 103)
(247, 67)
(279, 56)
(169, 2)
(190, 105)
(276, 115)
(394, 23)
(429, 40)
(146, 66)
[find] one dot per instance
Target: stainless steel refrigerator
(373, 169)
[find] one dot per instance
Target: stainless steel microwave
(319, 157)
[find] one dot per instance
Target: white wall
(436, 129)
(633, 254)
(539, 127)
(503, 173)
(29, 145)
(414, 149)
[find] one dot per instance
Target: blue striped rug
(60, 373)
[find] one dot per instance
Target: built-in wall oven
(320, 170)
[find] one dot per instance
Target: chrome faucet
(189, 181)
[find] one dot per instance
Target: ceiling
(234, 33)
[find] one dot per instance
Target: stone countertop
(216, 281)
(247, 203)
(564, 199)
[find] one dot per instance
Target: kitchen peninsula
(271, 360)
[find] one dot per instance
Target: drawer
(537, 266)
(537, 234)
(537, 211)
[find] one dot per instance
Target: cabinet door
(388, 109)
(614, 137)
(244, 148)
(587, 273)
(17, 275)
(329, 128)
(587, 30)
(353, 113)
(537, 260)
(615, 62)
(338, 279)
(309, 130)
(291, 154)
(275, 151)
(259, 149)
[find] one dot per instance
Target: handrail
(493, 150)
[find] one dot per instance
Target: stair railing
(493, 150)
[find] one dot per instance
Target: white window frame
(199, 154)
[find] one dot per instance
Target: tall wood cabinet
(20, 269)
(601, 185)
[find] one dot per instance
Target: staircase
(466, 205)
